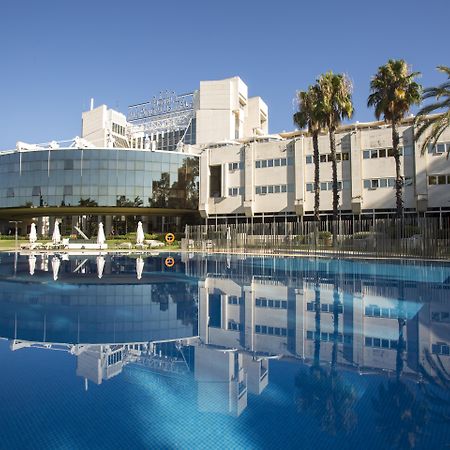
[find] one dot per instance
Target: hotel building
(208, 154)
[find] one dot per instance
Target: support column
(108, 225)
(249, 317)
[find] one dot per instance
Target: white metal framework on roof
(168, 112)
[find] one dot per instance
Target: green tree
(160, 192)
(309, 116)
(90, 224)
(393, 92)
(335, 105)
(439, 122)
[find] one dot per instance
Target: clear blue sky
(57, 54)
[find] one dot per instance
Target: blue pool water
(223, 352)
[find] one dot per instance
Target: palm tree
(309, 116)
(394, 91)
(440, 121)
(436, 386)
(322, 392)
(335, 106)
(401, 414)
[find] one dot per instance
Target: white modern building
(208, 153)
(248, 175)
(263, 178)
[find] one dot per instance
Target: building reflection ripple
(221, 322)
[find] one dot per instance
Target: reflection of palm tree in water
(400, 414)
(323, 392)
(436, 388)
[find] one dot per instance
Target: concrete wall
(367, 183)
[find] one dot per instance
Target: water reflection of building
(220, 331)
(269, 306)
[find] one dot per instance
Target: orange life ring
(170, 237)
(169, 261)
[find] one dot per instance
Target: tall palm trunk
(316, 362)
(315, 140)
(334, 181)
(400, 357)
(334, 352)
(398, 176)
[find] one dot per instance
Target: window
(382, 153)
(270, 189)
(440, 148)
(277, 189)
(323, 186)
(345, 156)
(391, 182)
(258, 164)
(366, 184)
(383, 182)
(234, 300)
(264, 163)
(374, 154)
(441, 179)
(309, 187)
(258, 190)
(309, 159)
(283, 161)
(283, 188)
(68, 164)
(234, 325)
(374, 184)
(277, 162)
(234, 166)
(323, 158)
(270, 163)
(366, 154)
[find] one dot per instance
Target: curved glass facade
(99, 177)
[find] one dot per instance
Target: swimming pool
(222, 351)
